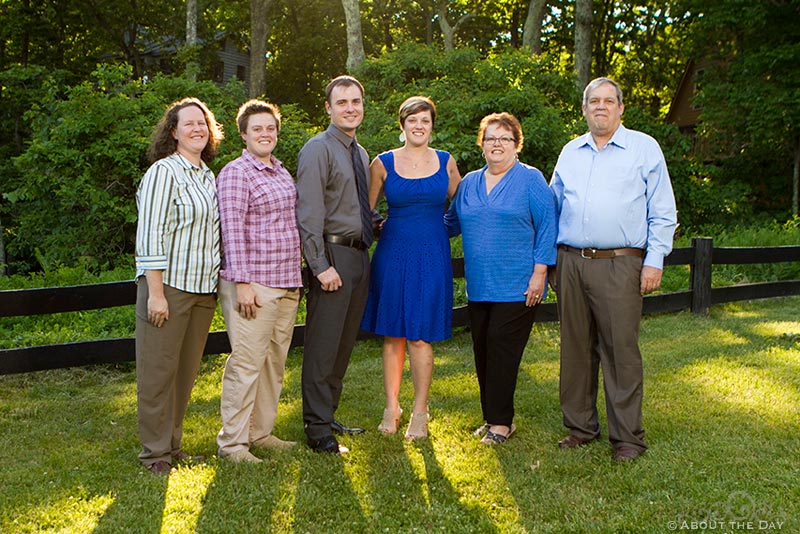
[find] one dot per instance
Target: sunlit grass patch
(720, 414)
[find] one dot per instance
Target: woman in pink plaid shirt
(259, 284)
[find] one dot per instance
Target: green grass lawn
(721, 414)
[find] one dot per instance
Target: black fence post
(700, 274)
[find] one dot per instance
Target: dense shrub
(72, 191)
(466, 87)
(69, 196)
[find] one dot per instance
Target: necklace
(418, 162)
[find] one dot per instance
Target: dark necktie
(363, 196)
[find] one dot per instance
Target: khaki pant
(167, 360)
(600, 308)
(253, 377)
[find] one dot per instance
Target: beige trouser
(253, 377)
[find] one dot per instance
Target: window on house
(697, 88)
(218, 72)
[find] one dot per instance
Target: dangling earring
(402, 137)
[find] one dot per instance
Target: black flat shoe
(327, 444)
(339, 428)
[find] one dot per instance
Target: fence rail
(701, 256)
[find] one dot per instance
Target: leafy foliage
(749, 95)
(73, 191)
(466, 87)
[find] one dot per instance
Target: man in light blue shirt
(617, 218)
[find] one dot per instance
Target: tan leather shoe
(242, 457)
(272, 442)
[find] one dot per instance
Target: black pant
(332, 323)
(500, 331)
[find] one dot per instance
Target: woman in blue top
(507, 217)
(411, 281)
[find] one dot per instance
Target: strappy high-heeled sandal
(418, 426)
(390, 422)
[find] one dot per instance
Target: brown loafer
(159, 468)
(625, 454)
(573, 442)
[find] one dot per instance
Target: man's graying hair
(597, 82)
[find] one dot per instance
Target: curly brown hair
(163, 142)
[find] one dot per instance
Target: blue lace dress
(411, 282)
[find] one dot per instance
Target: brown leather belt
(603, 254)
(346, 241)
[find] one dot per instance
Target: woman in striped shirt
(177, 263)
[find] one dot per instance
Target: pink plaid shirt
(259, 226)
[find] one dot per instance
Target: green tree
(750, 95)
(465, 87)
(74, 185)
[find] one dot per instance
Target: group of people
(597, 235)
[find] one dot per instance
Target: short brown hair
(163, 143)
(254, 107)
(508, 121)
(417, 104)
(344, 81)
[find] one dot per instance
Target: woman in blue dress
(411, 282)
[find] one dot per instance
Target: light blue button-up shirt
(618, 196)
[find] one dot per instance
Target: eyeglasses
(505, 140)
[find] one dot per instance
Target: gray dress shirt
(327, 198)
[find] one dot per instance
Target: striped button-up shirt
(260, 240)
(178, 228)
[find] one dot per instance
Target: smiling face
(499, 146)
(191, 133)
(261, 135)
(418, 128)
(603, 111)
(346, 108)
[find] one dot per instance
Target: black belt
(346, 241)
(603, 254)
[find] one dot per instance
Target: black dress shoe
(326, 444)
(339, 428)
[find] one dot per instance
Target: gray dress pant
(332, 323)
(600, 308)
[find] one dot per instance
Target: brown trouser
(600, 308)
(167, 360)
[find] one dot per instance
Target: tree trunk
(259, 36)
(355, 40)
(583, 41)
(449, 30)
(796, 180)
(191, 39)
(3, 271)
(532, 30)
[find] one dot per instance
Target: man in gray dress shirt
(332, 187)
